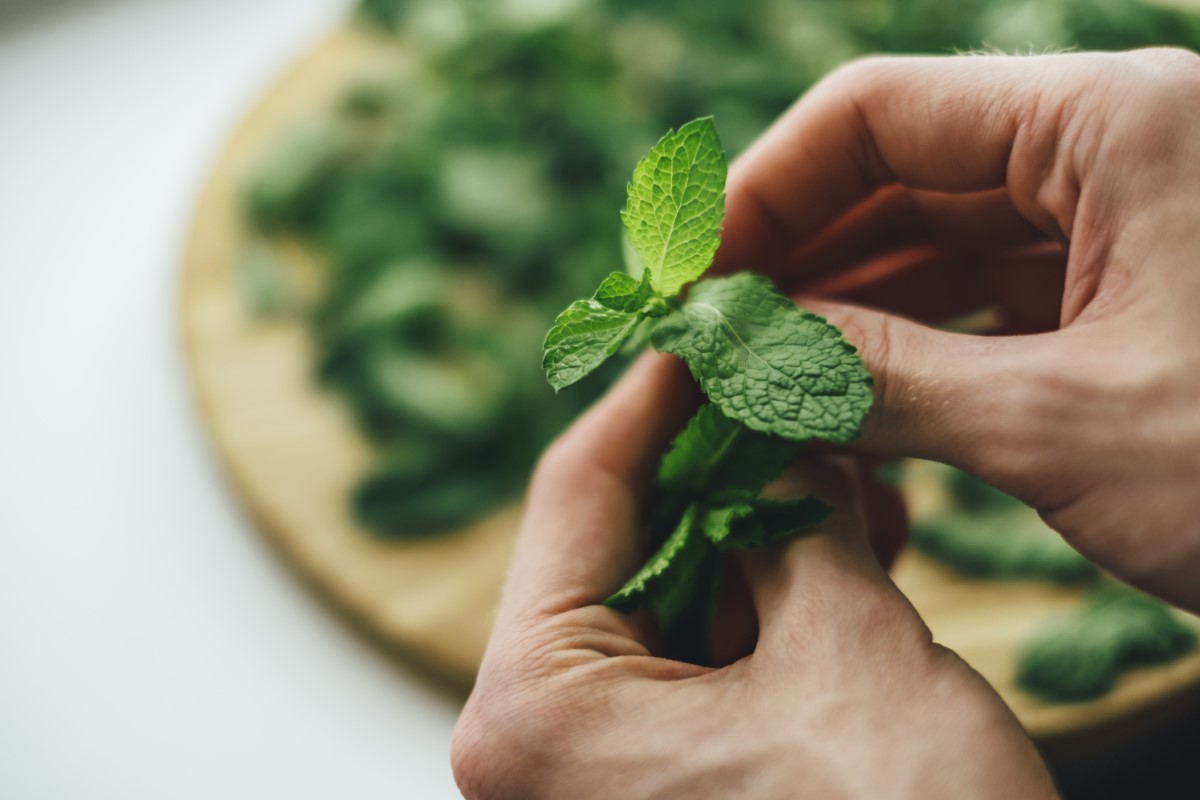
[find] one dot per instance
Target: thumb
(969, 401)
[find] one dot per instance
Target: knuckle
(1162, 84)
(493, 746)
(471, 758)
(862, 72)
(558, 462)
(877, 351)
(1182, 63)
(477, 766)
(1176, 77)
(859, 86)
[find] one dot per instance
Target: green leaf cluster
(775, 376)
(713, 471)
(764, 362)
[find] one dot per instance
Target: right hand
(1065, 187)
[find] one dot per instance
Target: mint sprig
(776, 376)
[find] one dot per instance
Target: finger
(969, 401)
(960, 124)
(885, 512)
(735, 623)
(927, 282)
(580, 535)
(935, 284)
(1028, 287)
(895, 217)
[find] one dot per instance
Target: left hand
(844, 694)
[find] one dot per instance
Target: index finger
(946, 124)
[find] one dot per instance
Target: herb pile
(1081, 655)
(985, 533)
(775, 376)
(1071, 658)
(461, 198)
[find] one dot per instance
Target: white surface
(150, 645)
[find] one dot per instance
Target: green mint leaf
(772, 366)
(584, 336)
(629, 256)
(739, 519)
(715, 452)
(1005, 545)
(665, 581)
(675, 204)
(621, 292)
(685, 620)
(1080, 656)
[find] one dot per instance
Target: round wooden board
(293, 453)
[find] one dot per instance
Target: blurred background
(271, 342)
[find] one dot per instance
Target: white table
(151, 646)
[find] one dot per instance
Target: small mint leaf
(676, 201)
(583, 337)
(664, 581)
(620, 292)
(764, 362)
(742, 520)
(714, 453)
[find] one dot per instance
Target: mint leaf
(685, 623)
(621, 292)
(666, 580)
(633, 264)
(675, 204)
(584, 336)
(772, 366)
(715, 452)
(741, 519)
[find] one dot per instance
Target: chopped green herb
(987, 534)
(1081, 656)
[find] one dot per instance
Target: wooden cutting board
(292, 454)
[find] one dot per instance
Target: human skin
(1064, 188)
(844, 695)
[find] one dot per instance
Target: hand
(844, 695)
(1063, 188)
